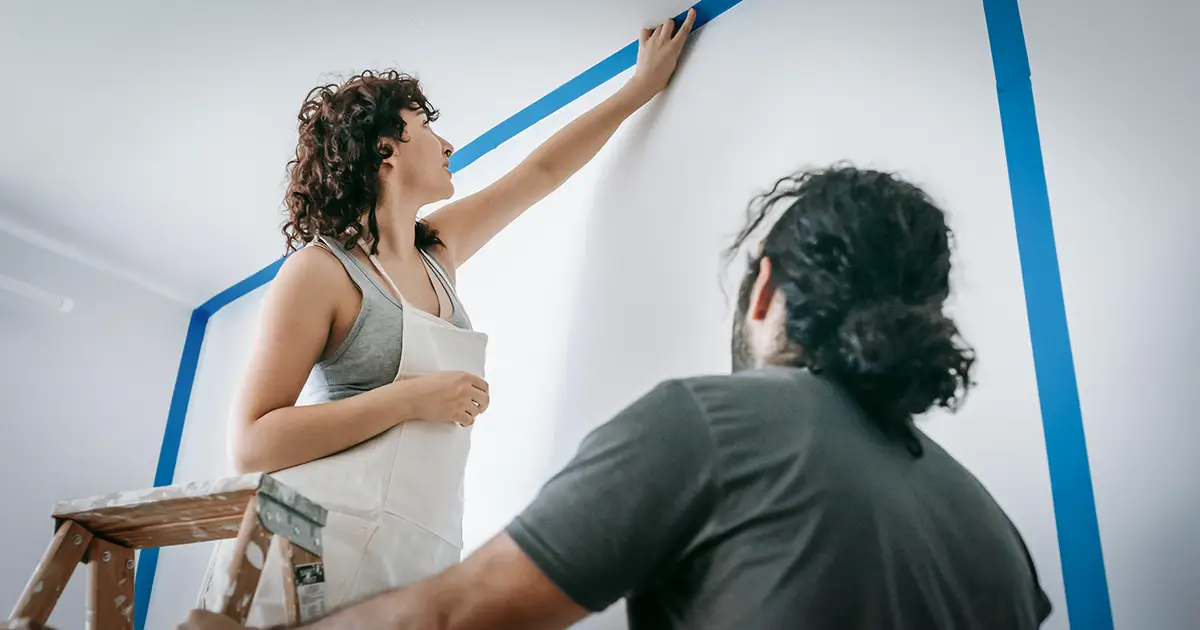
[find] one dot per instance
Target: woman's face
(420, 166)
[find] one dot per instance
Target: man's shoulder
(753, 386)
(704, 402)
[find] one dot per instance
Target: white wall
(611, 284)
(1117, 87)
(83, 400)
(521, 289)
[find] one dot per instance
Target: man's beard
(743, 356)
(740, 351)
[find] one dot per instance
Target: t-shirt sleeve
(625, 509)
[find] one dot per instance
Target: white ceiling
(152, 136)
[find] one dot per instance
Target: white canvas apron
(395, 501)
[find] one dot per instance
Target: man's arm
(496, 587)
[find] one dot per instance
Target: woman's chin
(441, 191)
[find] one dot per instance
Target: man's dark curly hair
(333, 178)
(863, 262)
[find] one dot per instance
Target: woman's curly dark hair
(863, 262)
(333, 178)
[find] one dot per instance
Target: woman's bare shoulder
(312, 275)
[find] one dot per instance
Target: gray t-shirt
(765, 499)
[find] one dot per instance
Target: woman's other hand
(445, 396)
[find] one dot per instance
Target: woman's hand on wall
(658, 55)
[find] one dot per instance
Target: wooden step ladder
(103, 532)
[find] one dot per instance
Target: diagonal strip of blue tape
(597, 75)
(1079, 544)
(583, 83)
(242, 288)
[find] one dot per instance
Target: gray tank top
(370, 354)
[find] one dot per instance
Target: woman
(367, 324)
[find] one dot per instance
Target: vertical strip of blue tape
(588, 80)
(168, 454)
(1079, 545)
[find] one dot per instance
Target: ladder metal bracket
(284, 512)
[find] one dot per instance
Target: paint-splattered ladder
(104, 531)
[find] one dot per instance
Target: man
(795, 492)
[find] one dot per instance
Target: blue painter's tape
(164, 475)
(583, 83)
(565, 94)
(618, 62)
(246, 285)
(168, 454)
(1082, 556)
(143, 585)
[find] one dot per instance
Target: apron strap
(435, 279)
(383, 273)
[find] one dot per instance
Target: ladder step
(104, 531)
(186, 513)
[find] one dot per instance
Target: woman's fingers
(664, 31)
(686, 27)
(477, 382)
(481, 399)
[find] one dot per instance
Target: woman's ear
(393, 146)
